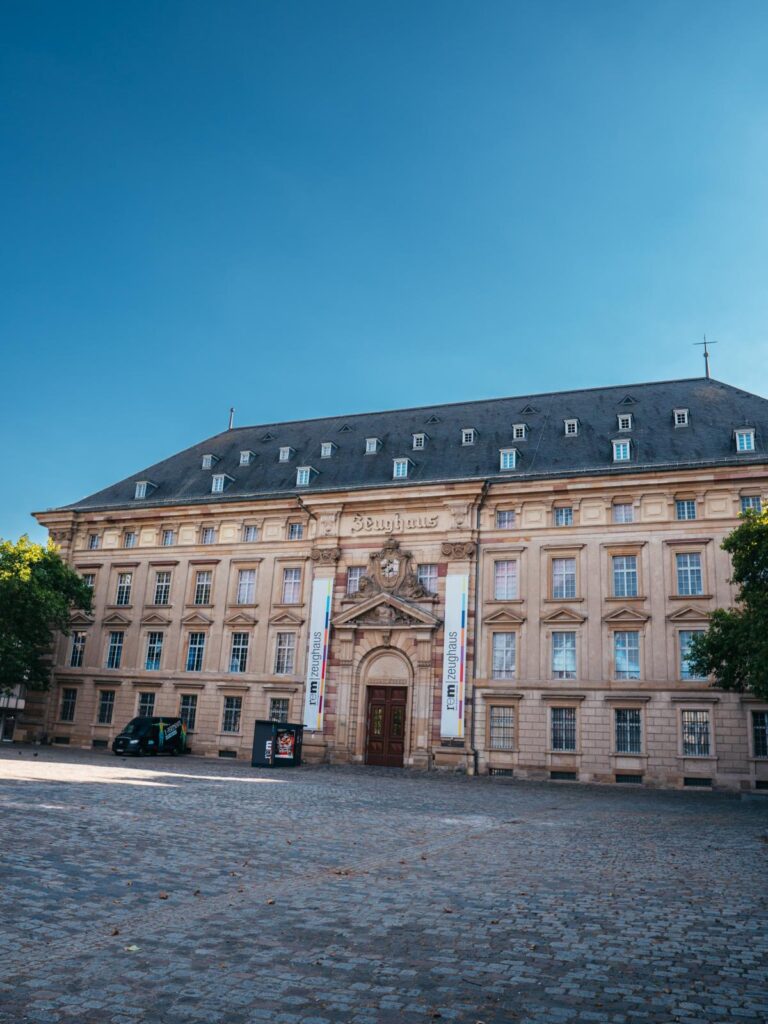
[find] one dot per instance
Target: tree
(38, 593)
(734, 649)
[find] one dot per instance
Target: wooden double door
(385, 734)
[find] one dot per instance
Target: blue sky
(311, 208)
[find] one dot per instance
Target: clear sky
(322, 207)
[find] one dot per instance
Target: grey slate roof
(716, 410)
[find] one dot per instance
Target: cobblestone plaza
(189, 890)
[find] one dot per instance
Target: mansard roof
(715, 411)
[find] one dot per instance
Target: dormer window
(621, 451)
(327, 449)
(507, 458)
(468, 435)
(246, 458)
(680, 417)
(209, 461)
(625, 420)
(143, 487)
(219, 482)
(571, 428)
(419, 442)
(519, 431)
(400, 468)
(286, 453)
(304, 476)
(745, 439)
(372, 445)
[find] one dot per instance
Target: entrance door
(385, 742)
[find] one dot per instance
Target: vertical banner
(317, 653)
(454, 656)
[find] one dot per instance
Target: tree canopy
(734, 649)
(38, 593)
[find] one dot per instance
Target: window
(745, 440)
(503, 656)
(188, 710)
(626, 654)
(695, 733)
(564, 655)
(303, 476)
(146, 704)
(621, 451)
(563, 728)
(685, 509)
(625, 420)
(629, 739)
(689, 581)
(326, 449)
(141, 490)
(162, 586)
(563, 578)
(426, 574)
(115, 649)
(502, 728)
(168, 538)
(208, 461)
(295, 531)
(564, 516)
(372, 445)
(686, 635)
(354, 575)
(129, 539)
(89, 579)
(124, 581)
(291, 586)
(154, 651)
(505, 519)
(505, 580)
(468, 435)
(571, 427)
(77, 650)
(285, 654)
(760, 733)
(68, 705)
(278, 709)
(203, 586)
(246, 586)
(250, 534)
(419, 441)
(507, 458)
(231, 720)
(218, 483)
(208, 535)
(400, 468)
(519, 431)
(623, 512)
(195, 651)
(238, 660)
(624, 575)
(246, 458)
(680, 417)
(93, 541)
(751, 503)
(285, 454)
(106, 706)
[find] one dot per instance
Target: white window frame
(167, 538)
(626, 651)
(419, 442)
(688, 572)
(750, 503)
(246, 457)
(507, 458)
(130, 539)
(564, 643)
(303, 476)
(162, 587)
(285, 653)
(246, 586)
(203, 587)
(680, 417)
(571, 428)
(747, 434)
(519, 431)
(622, 450)
(208, 535)
(622, 517)
(697, 728)
(218, 483)
(562, 575)
(198, 649)
(685, 505)
(506, 579)
(684, 637)
(94, 541)
(354, 575)
(372, 445)
(295, 531)
(503, 654)
(427, 576)
(290, 591)
(624, 420)
(209, 460)
(624, 576)
(327, 449)
(506, 519)
(238, 651)
(141, 489)
(250, 533)
(400, 469)
(232, 711)
(468, 435)
(285, 453)
(562, 516)
(123, 589)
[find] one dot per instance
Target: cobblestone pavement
(166, 890)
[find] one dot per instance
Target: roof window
(745, 439)
(209, 460)
(286, 454)
(680, 417)
(220, 481)
(304, 475)
(571, 428)
(468, 435)
(247, 457)
(419, 441)
(143, 488)
(400, 468)
(622, 451)
(625, 420)
(519, 431)
(507, 458)
(327, 448)
(372, 445)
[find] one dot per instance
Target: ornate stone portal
(390, 570)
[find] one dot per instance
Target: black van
(152, 735)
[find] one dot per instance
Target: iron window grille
(106, 706)
(760, 733)
(68, 705)
(502, 728)
(629, 738)
(695, 733)
(168, 538)
(564, 729)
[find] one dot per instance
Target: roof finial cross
(706, 352)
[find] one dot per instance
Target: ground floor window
(232, 708)
(188, 710)
(106, 706)
(629, 738)
(696, 741)
(278, 709)
(760, 733)
(68, 704)
(146, 704)
(564, 729)
(502, 728)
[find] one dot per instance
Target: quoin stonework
(503, 586)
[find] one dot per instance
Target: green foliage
(38, 593)
(735, 647)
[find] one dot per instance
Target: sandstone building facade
(552, 555)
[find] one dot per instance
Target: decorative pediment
(385, 611)
(115, 619)
(240, 619)
(155, 619)
(626, 615)
(197, 619)
(689, 614)
(563, 617)
(81, 619)
(391, 571)
(504, 617)
(286, 619)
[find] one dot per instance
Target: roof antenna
(232, 416)
(706, 353)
